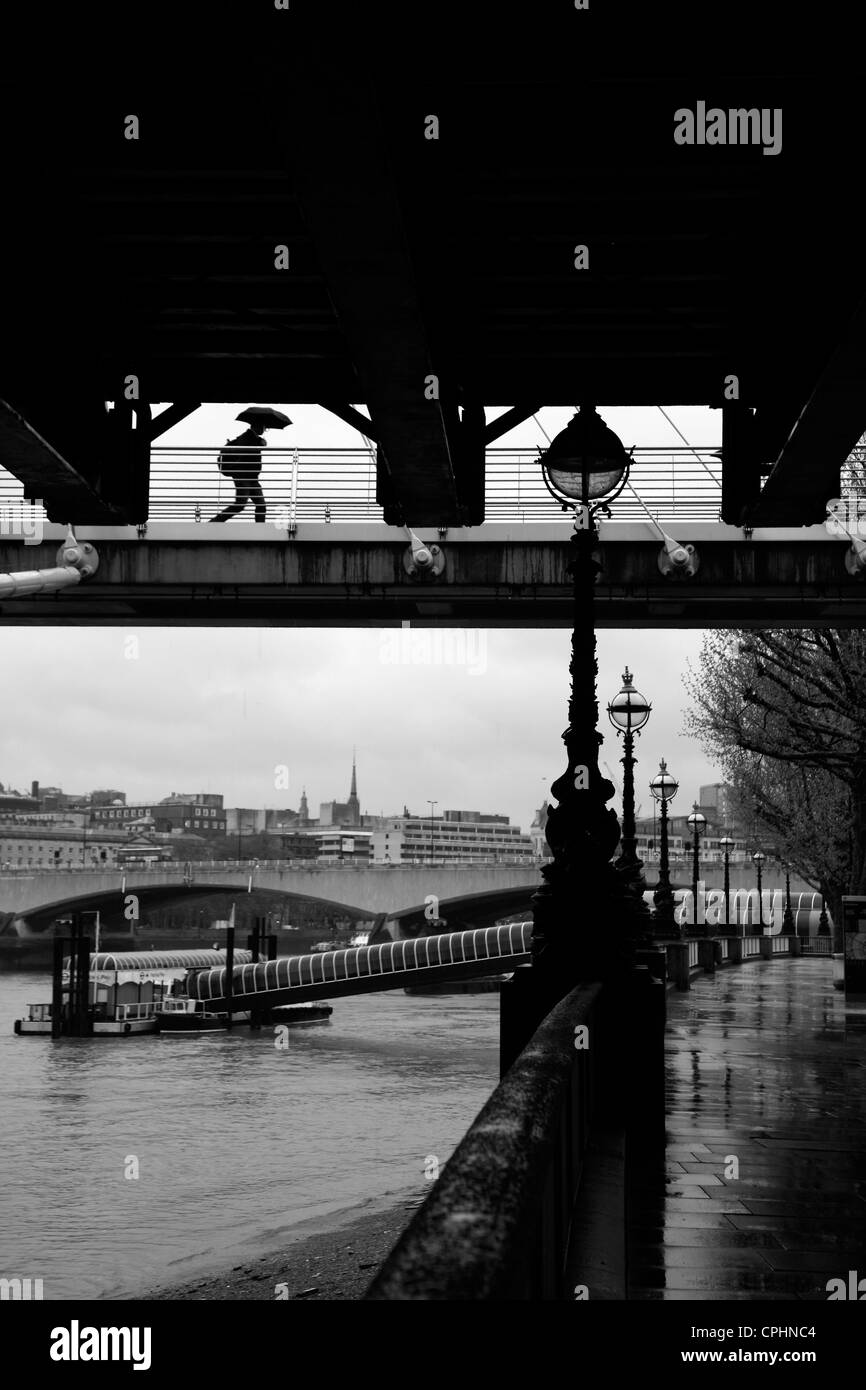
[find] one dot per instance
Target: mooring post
(230, 965)
(75, 978)
(86, 1012)
(57, 987)
(254, 940)
(82, 999)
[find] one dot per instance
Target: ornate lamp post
(698, 824)
(628, 712)
(823, 919)
(759, 858)
(727, 844)
(664, 788)
(585, 468)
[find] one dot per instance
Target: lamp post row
(585, 469)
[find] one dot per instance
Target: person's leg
(258, 498)
(237, 506)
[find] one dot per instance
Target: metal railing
(198, 867)
(137, 1010)
(817, 946)
(687, 958)
(339, 486)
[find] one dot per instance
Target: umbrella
(265, 417)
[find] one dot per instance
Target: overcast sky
(470, 721)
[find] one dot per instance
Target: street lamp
(698, 823)
(823, 919)
(664, 788)
(628, 712)
(727, 844)
(584, 468)
(759, 858)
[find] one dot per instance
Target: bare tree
(784, 715)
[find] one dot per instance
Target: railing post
(735, 950)
(766, 945)
(655, 959)
(645, 1065)
(795, 946)
(707, 954)
(519, 1015)
(678, 963)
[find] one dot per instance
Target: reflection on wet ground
(762, 1194)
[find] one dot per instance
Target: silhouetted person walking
(241, 460)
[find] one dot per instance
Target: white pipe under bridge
(361, 969)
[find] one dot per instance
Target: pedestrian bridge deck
(767, 1066)
(360, 969)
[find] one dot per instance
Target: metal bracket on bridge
(78, 555)
(855, 555)
(422, 561)
(75, 561)
(677, 561)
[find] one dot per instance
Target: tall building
(456, 837)
(303, 809)
(718, 801)
(538, 833)
(176, 813)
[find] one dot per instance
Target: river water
(235, 1142)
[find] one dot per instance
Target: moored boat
(125, 993)
(124, 1020)
(180, 1014)
(297, 1015)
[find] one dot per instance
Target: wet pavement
(762, 1193)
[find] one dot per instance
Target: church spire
(353, 805)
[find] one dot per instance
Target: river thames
(235, 1141)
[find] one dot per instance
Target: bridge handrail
(339, 485)
(474, 1236)
(201, 866)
